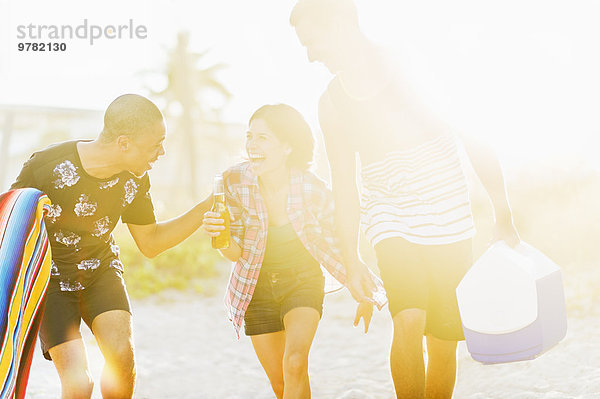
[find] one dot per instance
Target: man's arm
(488, 169)
(342, 163)
(153, 239)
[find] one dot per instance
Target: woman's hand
(364, 310)
(359, 282)
(213, 224)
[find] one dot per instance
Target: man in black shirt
(93, 184)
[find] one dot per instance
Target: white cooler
(512, 304)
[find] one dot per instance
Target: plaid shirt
(310, 212)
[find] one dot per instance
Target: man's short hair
(320, 12)
(129, 115)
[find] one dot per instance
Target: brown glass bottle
(223, 240)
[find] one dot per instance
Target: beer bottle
(221, 241)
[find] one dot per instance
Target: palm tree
(186, 88)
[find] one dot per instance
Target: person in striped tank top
(413, 202)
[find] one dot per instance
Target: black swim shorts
(65, 309)
(425, 277)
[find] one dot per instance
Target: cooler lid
(498, 294)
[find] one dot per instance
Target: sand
(186, 348)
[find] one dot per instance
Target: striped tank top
(419, 194)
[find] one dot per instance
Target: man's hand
(359, 282)
(213, 224)
(364, 310)
(504, 230)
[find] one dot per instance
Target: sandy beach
(186, 348)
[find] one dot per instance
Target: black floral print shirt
(84, 212)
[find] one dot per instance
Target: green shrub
(190, 266)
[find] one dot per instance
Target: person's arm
(488, 169)
(213, 224)
(153, 239)
(342, 163)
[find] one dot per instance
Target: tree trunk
(190, 142)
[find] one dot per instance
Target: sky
(520, 74)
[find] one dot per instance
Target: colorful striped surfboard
(25, 262)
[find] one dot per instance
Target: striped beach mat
(24, 275)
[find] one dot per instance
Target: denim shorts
(280, 290)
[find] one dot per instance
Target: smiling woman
(283, 232)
